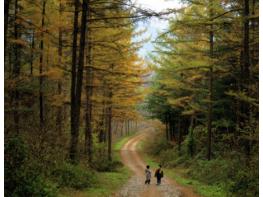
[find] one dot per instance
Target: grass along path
(180, 176)
(106, 182)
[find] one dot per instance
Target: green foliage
(102, 164)
(22, 178)
(180, 174)
(106, 183)
(228, 171)
(210, 80)
(245, 180)
(190, 143)
(35, 186)
(158, 145)
(100, 160)
(215, 171)
(244, 184)
(75, 176)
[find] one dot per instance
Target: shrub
(21, 177)
(102, 164)
(74, 176)
(100, 160)
(211, 172)
(157, 145)
(36, 186)
(245, 182)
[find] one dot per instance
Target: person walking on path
(159, 174)
(148, 175)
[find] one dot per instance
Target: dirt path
(135, 186)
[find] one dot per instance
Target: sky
(154, 25)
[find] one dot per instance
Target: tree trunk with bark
(88, 115)
(41, 65)
(79, 81)
(60, 48)
(6, 21)
(32, 52)
(16, 69)
(210, 89)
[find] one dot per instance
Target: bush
(244, 185)
(230, 169)
(245, 180)
(21, 177)
(167, 157)
(100, 160)
(211, 172)
(74, 176)
(36, 186)
(102, 164)
(157, 145)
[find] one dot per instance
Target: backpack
(161, 174)
(156, 172)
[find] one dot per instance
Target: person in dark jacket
(159, 174)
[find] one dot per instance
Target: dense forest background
(74, 83)
(205, 90)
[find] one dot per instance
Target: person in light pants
(148, 175)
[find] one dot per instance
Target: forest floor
(135, 187)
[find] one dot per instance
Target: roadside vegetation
(104, 182)
(205, 92)
(72, 85)
(75, 83)
(64, 179)
(215, 178)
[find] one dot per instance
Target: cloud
(158, 5)
(154, 25)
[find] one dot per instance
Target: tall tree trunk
(101, 130)
(167, 127)
(109, 127)
(117, 129)
(109, 121)
(89, 81)
(128, 122)
(41, 79)
(72, 151)
(32, 53)
(246, 41)
(6, 21)
(170, 130)
(254, 48)
(16, 70)
(126, 127)
(79, 81)
(191, 147)
(60, 51)
(179, 133)
(246, 67)
(122, 127)
(210, 89)
(104, 121)
(174, 129)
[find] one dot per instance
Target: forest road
(135, 187)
